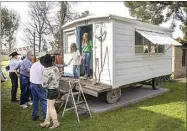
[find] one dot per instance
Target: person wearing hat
(13, 67)
(50, 81)
(25, 80)
(38, 92)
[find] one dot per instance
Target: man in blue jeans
(38, 92)
(25, 66)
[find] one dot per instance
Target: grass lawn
(4, 63)
(163, 113)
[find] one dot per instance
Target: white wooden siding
(142, 76)
(131, 67)
(138, 63)
(123, 39)
(107, 73)
(113, 54)
(69, 38)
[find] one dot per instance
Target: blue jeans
(86, 59)
(25, 89)
(75, 71)
(39, 94)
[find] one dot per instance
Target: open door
(73, 36)
(86, 29)
(78, 43)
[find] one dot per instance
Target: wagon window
(143, 45)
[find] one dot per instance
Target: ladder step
(76, 107)
(76, 93)
(63, 91)
(80, 102)
(69, 108)
(59, 101)
(86, 112)
(75, 81)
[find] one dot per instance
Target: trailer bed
(88, 86)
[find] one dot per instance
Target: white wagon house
(125, 52)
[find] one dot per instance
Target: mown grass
(163, 113)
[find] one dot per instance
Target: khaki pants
(51, 112)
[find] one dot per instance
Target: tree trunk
(9, 46)
(40, 40)
(0, 32)
(63, 10)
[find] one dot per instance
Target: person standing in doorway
(38, 92)
(13, 67)
(25, 80)
(76, 58)
(86, 50)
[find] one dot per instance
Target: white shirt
(36, 73)
(14, 64)
(76, 58)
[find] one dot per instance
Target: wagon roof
(115, 18)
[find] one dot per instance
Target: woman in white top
(76, 58)
(13, 67)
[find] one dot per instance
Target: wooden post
(34, 58)
(101, 46)
(0, 35)
(0, 29)
(62, 17)
(61, 49)
(34, 45)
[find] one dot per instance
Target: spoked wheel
(113, 95)
(156, 83)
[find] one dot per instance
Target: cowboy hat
(47, 61)
(14, 54)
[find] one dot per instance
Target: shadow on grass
(16, 119)
(176, 94)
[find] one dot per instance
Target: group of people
(39, 81)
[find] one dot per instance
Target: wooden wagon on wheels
(125, 52)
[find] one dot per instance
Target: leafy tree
(146, 11)
(184, 27)
(184, 30)
(9, 25)
(5, 22)
(153, 12)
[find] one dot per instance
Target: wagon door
(78, 43)
(70, 37)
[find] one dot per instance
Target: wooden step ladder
(79, 93)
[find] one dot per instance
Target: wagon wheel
(156, 83)
(113, 95)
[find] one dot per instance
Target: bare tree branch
(39, 13)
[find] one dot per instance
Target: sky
(97, 8)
